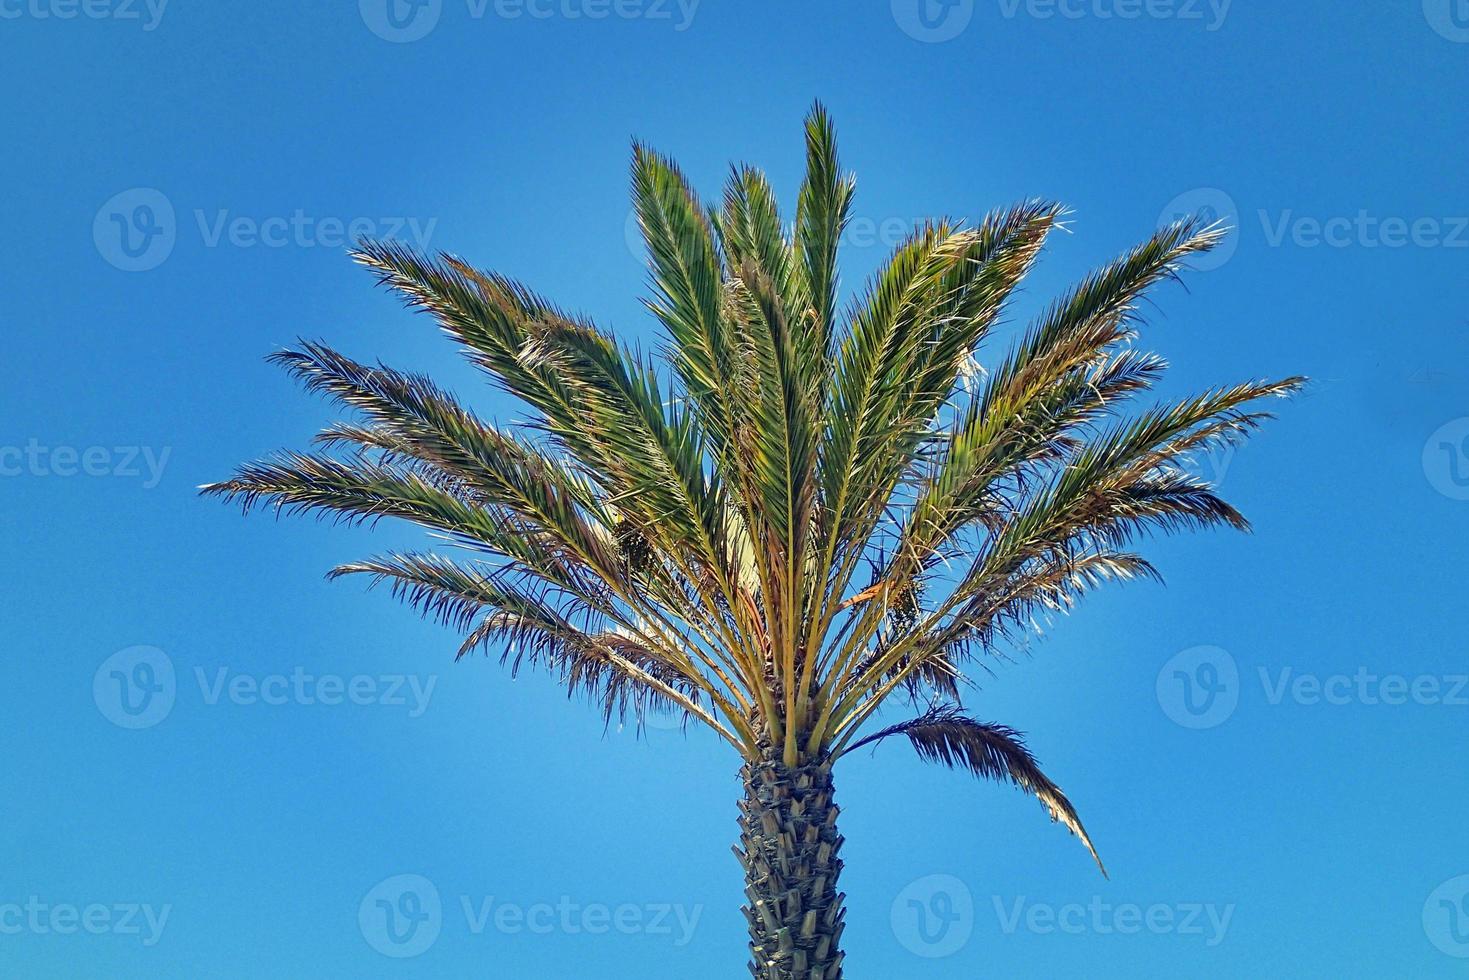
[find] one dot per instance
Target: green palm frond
(822, 213)
(921, 321)
(687, 277)
(579, 637)
(947, 736)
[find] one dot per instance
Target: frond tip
(946, 735)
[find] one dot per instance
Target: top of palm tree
(817, 508)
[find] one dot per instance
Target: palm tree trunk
(788, 845)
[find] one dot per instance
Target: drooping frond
(556, 629)
(458, 595)
(947, 736)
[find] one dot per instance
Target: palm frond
(947, 736)
(545, 627)
(821, 216)
(413, 421)
(356, 491)
(687, 277)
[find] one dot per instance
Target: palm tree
(812, 513)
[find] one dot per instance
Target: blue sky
(1268, 751)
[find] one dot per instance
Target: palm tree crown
(813, 511)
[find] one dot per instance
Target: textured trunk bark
(788, 845)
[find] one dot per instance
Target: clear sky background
(175, 193)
